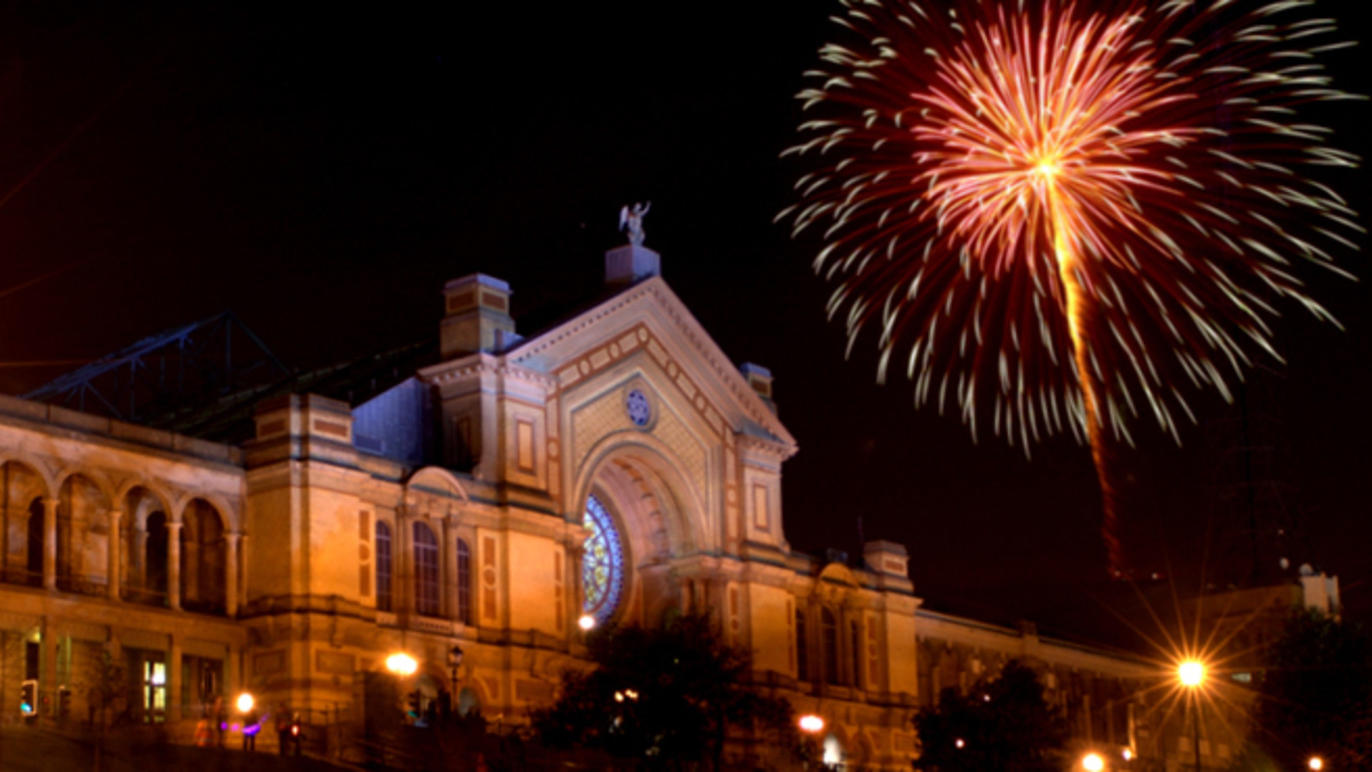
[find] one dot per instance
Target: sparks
(1056, 219)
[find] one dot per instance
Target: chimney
(631, 263)
(476, 316)
(760, 378)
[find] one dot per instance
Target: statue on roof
(631, 220)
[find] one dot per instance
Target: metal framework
(162, 375)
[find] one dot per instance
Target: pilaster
(115, 546)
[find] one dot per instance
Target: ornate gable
(650, 317)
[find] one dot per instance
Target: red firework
(1044, 213)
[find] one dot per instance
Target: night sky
(323, 173)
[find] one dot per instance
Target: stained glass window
(602, 563)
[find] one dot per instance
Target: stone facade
(451, 511)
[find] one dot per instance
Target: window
(425, 571)
(802, 647)
(602, 566)
(464, 583)
(828, 628)
(383, 566)
(855, 652)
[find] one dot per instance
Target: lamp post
(1315, 763)
(454, 662)
(1092, 762)
(1191, 673)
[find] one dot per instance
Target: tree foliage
(1003, 723)
(663, 695)
(1315, 696)
(106, 687)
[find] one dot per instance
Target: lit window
(602, 566)
(828, 627)
(425, 571)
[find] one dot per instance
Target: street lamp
(401, 664)
(454, 662)
(244, 703)
(811, 723)
(1092, 762)
(1191, 673)
(1315, 763)
(586, 622)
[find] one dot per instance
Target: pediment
(649, 317)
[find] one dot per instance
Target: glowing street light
(586, 622)
(1191, 673)
(401, 664)
(244, 702)
(1092, 762)
(811, 723)
(1315, 762)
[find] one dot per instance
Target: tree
(667, 695)
(1315, 694)
(1004, 724)
(105, 689)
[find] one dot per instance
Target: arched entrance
(642, 516)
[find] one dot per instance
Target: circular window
(640, 412)
(602, 563)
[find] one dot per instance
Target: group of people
(215, 720)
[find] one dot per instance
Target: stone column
(448, 570)
(115, 551)
(174, 565)
(231, 572)
(49, 543)
(402, 583)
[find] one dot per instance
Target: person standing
(251, 726)
(283, 729)
(220, 717)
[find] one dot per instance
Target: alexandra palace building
(485, 492)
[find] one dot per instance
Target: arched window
(425, 571)
(464, 583)
(855, 652)
(828, 628)
(602, 563)
(383, 566)
(802, 647)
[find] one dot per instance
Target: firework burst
(1053, 218)
(1043, 212)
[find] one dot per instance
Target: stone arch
(203, 557)
(22, 482)
(143, 541)
(82, 530)
(658, 512)
(655, 463)
(439, 483)
(228, 514)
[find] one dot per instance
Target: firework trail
(1052, 217)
